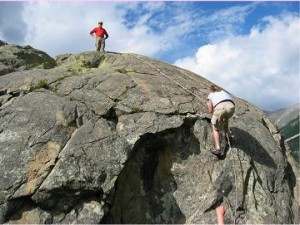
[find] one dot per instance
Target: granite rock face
(122, 138)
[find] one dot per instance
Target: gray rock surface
(115, 138)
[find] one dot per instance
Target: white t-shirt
(218, 96)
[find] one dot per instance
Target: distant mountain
(287, 121)
(291, 134)
(284, 116)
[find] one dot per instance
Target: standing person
(100, 34)
(222, 107)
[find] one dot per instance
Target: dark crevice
(78, 122)
(145, 73)
(111, 115)
(64, 200)
(246, 184)
(146, 180)
(256, 172)
(61, 202)
(11, 208)
(15, 94)
(3, 92)
(290, 177)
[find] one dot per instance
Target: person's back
(218, 97)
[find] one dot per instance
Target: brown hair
(214, 88)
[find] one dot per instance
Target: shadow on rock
(144, 191)
(250, 146)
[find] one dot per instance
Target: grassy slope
(289, 130)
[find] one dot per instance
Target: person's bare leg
(220, 214)
(216, 138)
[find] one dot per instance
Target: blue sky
(250, 49)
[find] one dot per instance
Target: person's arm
(106, 34)
(210, 106)
(92, 32)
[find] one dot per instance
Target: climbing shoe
(216, 152)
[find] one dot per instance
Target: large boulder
(122, 138)
(18, 58)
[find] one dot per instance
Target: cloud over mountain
(262, 66)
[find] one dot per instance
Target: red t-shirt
(99, 31)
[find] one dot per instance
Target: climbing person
(220, 210)
(222, 107)
(101, 35)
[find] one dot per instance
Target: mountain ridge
(287, 121)
(283, 116)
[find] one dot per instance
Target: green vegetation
(34, 59)
(41, 84)
(135, 109)
(85, 63)
(45, 65)
(294, 145)
(122, 71)
(289, 130)
(61, 78)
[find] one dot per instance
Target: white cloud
(63, 27)
(251, 66)
(57, 27)
(262, 67)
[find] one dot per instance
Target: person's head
(214, 88)
(100, 24)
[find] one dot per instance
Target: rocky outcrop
(18, 58)
(287, 120)
(122, 138)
